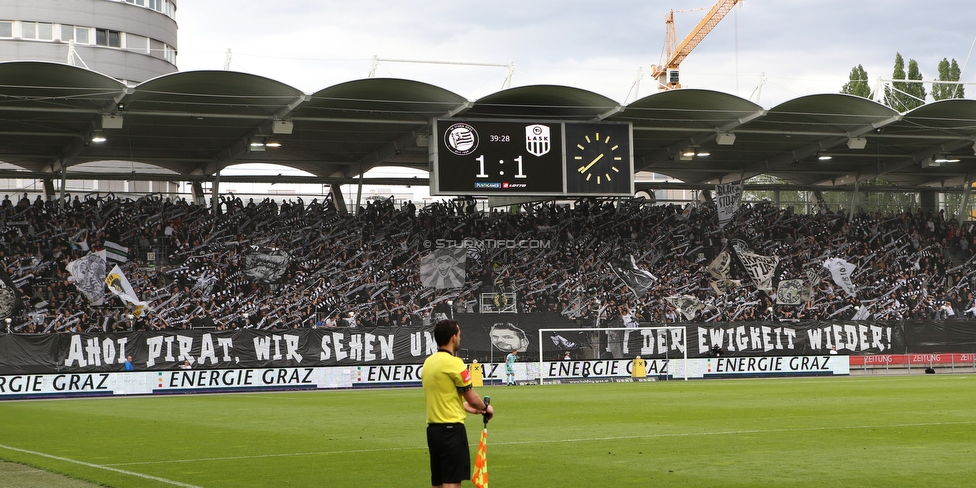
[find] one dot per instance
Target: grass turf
(864, 431)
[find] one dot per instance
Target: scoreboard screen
(497, 157)
(543, 158)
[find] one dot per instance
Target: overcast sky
(801, 48)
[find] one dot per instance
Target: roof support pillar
(335, 190)
(64, 179)
(857, 188)
(359, 190)
(198, 196)
(48, 188)
(967, 192)
(927, 201)
(215, 193)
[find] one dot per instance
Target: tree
(904, 96)
(858, 85)
(948, 72)
(915, 90)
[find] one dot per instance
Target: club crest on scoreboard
(461, 139)
(538, 139)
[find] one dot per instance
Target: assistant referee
(449, 394)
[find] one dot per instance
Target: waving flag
(10, 301)
(119, 285)
(480, 478)
(88, 274)
(116, 252)
(637, 279)
(443, 268)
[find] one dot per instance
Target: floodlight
(98, 136)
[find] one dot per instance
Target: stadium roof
(189, 125)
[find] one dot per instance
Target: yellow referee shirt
(443, 375)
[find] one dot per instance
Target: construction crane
(667, 74)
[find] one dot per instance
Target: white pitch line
(100, 466)
(546, 441)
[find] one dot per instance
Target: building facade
(129, 40)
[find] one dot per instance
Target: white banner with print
(727, 198)
(840, 271)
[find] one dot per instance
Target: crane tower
(666, 75)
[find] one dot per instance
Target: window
(110, 38)
(6, 29)
(156, 5)
(37, 30)
(157, 49)
(81, 35)
(137, 2)
(136, 43)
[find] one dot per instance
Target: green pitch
(856, 431)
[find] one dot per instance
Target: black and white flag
(760, 268)
(443, 268)
(88, 274)
(727, 197)
(863, 313)
(723, 287)
(638, 280)
(687, 305)
(719, 267)
(265, 265)
(789, 292)
(562, 342)
(840, 271)
(10, 301)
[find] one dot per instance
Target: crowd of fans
(363, 270)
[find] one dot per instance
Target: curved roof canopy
(194, 124)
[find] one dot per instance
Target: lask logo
(537, 139)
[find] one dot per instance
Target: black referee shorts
(450, 461)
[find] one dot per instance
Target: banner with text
(487, 338)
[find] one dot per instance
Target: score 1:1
(481, 167)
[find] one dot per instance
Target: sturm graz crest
(461, 139)
(537, 139)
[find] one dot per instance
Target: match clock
(599, 159)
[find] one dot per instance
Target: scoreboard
(531, 157)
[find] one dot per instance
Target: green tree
(858, 85)
(948, 71)
(916, 91)
(904, 96)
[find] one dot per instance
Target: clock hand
(584, 169)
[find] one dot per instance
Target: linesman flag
(480, 478)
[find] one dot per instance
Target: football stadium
(684, 289)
